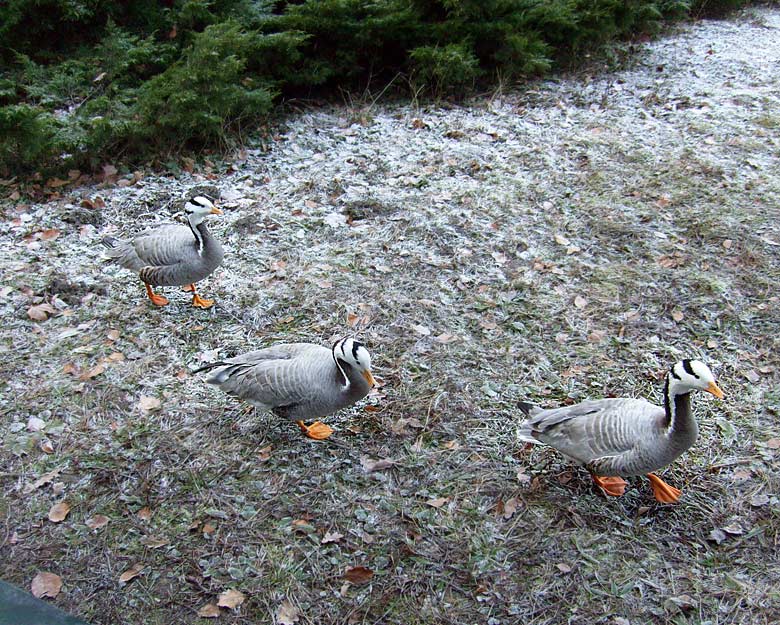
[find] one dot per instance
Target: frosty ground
(569, 239)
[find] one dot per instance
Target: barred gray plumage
(298, 381)
(172, 255)
(613, 437)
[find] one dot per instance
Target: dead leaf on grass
(44, 479)
(40, 312)
(46, 446)
(759, 499)
(287, 614)
(331, 537)
(358, 574)
(230, 599)
(209, 611)
(113, 335)
(153, 542)
(34, 424)
(678, 315)
(265, 453)
(370, 465)
(752, 376)
(562, 240)
(452, 445)
(131, 573)
(510, 507)
(59, 511)
(97, 521)
(563, 567)
(580, 302)
(149, 404)
(437, 502)
(773, 443)
(93, 372)
(144, 513)
(46, 585)
(50, 234)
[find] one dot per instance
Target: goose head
(198, 207)
(351, 354)
(689, 375)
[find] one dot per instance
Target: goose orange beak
(216, 211)
(715, 390)
(369, 378)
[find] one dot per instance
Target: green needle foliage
(82, 81)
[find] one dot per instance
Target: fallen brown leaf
(287, 614)
(131, 573)
(230, 599)
(510, 507)
(773, 443)
(59, 511)
(40, 312)
(209, 611)
(44, 479)
(93, 372)
(358, 574)
(370, 465)
(438, 502)
(331, 537)
(148, 404)
(153, 543)
(50, 234)
(144, 513)
(97, 521)
(580, 302)
(46, 585)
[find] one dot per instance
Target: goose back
(294, 380)
(609, 436)
(170, 255)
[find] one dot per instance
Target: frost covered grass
(567, 242)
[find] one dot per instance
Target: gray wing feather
(596, 429)
(282, 375)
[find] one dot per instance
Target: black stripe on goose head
(689, 369)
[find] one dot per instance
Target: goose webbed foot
(317, 430)
(611, 485)
(157, 300)
(662, 491)
(199, 302)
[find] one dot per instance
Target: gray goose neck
(677, 406)
(201, 234)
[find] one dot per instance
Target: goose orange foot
(612, 485)
(662, 491)
(157, 300)
(199, 302)
(318, 431)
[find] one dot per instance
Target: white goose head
(689, 375)
(349, 353)
(198, 207)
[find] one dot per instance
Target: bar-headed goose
(298, 381)
(173, 255)
(613, 437)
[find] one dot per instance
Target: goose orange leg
(318, 431)
(188, 288)
(197, 300)
(613, 485)
(157, 300)
(662, 491)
